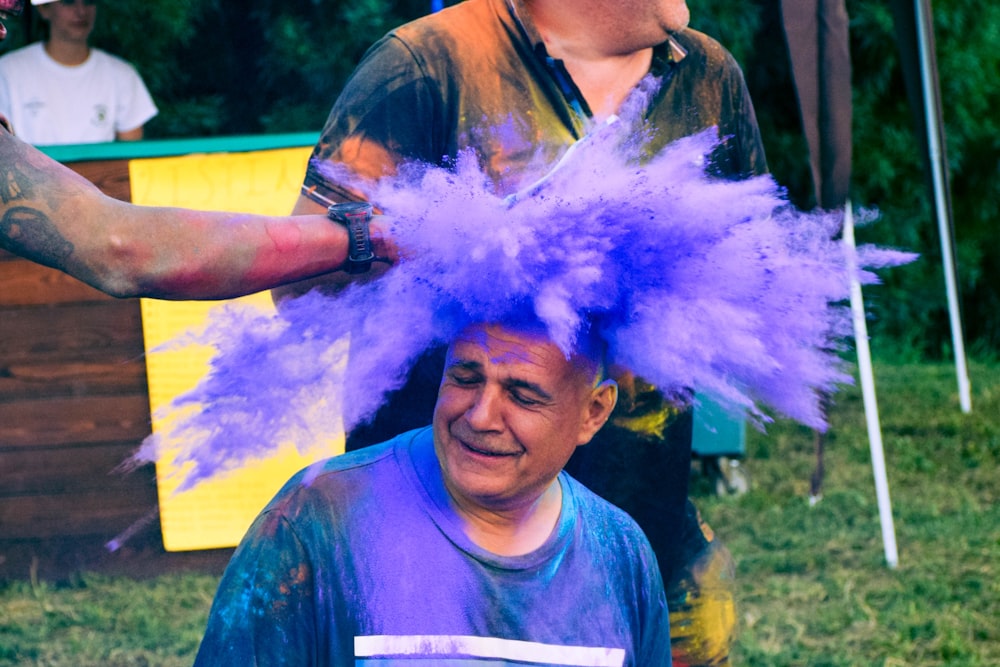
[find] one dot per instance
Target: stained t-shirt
(476, 75)
(359, 560)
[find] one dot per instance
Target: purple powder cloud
(696, 283)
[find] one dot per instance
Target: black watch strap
(355, 216)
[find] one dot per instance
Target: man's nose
(484, 413)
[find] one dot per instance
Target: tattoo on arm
(25, 229)
(10, 189)
(29, 233)
(15, 184)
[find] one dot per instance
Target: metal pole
(868, 394)
(940, 199)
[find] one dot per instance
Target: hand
(382, 244)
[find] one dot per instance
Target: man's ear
(601, 402)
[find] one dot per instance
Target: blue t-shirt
(360, 561)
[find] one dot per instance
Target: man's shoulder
(345, 488)
(610, 529)
(704, 50)
(460, 31)
(594, 508)
(112, 62)
(335, 465)
(12, 60)
(453, 19)
(343, 470)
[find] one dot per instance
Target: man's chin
(677, 26)
(678, 19)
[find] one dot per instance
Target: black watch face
(350, 208)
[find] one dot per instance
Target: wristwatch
(355, 216)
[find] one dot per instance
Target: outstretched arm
(52, 215)
(329, 283)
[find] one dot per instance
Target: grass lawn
(813, 587)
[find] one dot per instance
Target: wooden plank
(74, 349)
(102, 512)
(111, 176)
(74, 420)
(20, 382)
(104, 330)
(41, 471)
(24, 283)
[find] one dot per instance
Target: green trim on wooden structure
(153, 148)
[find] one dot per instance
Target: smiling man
(456, 542)
(510, 412)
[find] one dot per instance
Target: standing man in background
(518, 81)
(64, 91)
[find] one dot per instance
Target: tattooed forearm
(10, 190)
(14, 182)
(32, 187)
(29, 233)
(51, 215)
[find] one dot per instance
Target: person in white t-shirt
(63, 91)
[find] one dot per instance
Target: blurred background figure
(63, 91)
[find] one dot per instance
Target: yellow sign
(217, 512)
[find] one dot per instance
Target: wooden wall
(73, 406)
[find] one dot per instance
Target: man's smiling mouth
(479, 449)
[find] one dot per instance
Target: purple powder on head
(696, 283)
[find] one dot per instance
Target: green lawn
(813, 587)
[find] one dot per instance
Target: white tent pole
(868, 394)
(933, 122)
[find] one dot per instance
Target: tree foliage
(270, 66)
(888, 171)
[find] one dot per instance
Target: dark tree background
(220, 67)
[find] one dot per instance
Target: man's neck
(69, 53)
(603, 72)
(511, 531)
(605, 83)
